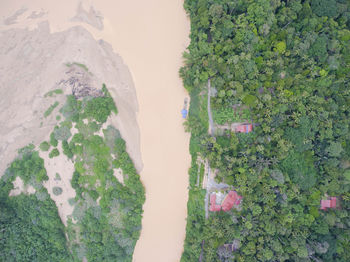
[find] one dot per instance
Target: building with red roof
(231, 200)
(244, 128)
(330, 202)
(213, 206)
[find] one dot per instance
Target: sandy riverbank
(32, 63)
(150, 36)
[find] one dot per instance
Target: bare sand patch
(64, 167)
(33, 62)
(13, 18)
(91, 17)
(19, 188)
(118, 173)
(36, 14)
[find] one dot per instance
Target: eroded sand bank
(150, 36)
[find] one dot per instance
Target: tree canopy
(287, 62)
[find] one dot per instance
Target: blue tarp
(184, 113)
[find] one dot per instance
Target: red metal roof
(244, 128)
(333, 202)
(213, 206)
(329, 203)
(232, 199)
(325, 204)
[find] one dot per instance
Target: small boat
(184, 111)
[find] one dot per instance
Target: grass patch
(50, 109)
(54, 92)
(225, 115)
(78, 64)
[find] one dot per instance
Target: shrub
(53, 140)
(99, 108)
(66, 149)
(62, 133)
(44, 146)
(57, 191)
(71, 108)
(28, 165)
(57, 177)
(54, 153)
(78, 138)
(111, 134)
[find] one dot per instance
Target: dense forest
(30, 228)
(106, 220)
(286, 63)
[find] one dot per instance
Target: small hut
(244, 128)
(231, 200)
(330, 202)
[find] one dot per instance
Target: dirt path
(210, 115)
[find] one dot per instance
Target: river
(150, 36)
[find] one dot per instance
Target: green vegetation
(100, 108)
(94, 109)
(54, 152)
(57, 177)
(78, 64)
(30, 227)
(223, 115)
(62, 132)
(57, 190)
(288, 62)
(107, 213)
(66, 149)
(53, 140)
(54, 92)
(28, 166)
(120, 206)
(50, 109)
(31, 230)
(108, 229)
(44, 146)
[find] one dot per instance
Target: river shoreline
(150, 37)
